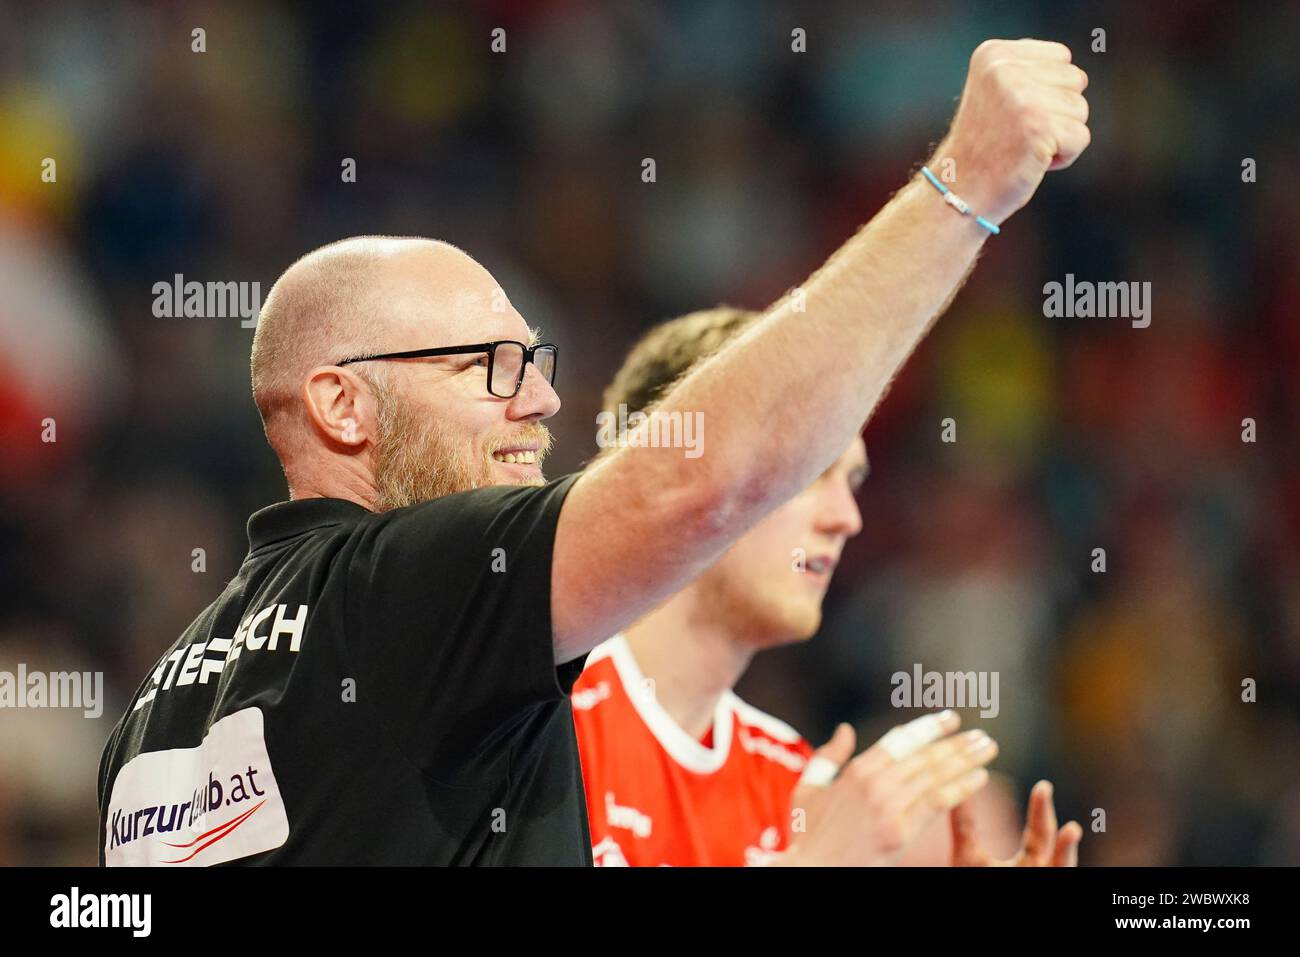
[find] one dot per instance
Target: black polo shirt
(368, 689)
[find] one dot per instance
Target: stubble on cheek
(417, 461)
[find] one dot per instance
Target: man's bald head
(334, 303)
(382, 294)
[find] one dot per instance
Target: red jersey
(656, 795)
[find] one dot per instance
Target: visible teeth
(526, 457)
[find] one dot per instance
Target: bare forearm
(777, 407)
(780, 404)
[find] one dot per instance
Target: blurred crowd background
(1124, 687)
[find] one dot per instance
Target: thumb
(840, 747)
(829, 758)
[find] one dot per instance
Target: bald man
(386, 679)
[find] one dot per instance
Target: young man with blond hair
(678, 769)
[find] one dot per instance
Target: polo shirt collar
(285, 520)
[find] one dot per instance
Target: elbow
(701, 501)
(721, 507)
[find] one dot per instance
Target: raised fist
(1021, 114)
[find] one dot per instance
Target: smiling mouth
(516, 456)
(821, 564)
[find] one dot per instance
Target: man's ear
(340, 406)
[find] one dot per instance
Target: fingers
(880, 800)
(911, 737)
(943, 792)
(1055, 87)
(840, 747)
(1062, 103)
(945, 797)
(1059, 76)
(1067, 845)
(829, 758)
(1043, 49)
(942, 762)
(1061, 119)
(937, 773)
(1040, 826)
(1026, 49)
(1072, 138)
(906, 739)
(967, 851)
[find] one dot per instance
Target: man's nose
(537, 398)
(840, 514)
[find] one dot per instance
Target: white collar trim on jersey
(685, 750)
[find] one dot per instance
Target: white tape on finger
(909, 738)
(820, 772)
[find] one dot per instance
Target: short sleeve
(448, 616)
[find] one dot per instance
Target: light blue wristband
(956, 202)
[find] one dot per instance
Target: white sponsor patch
(608, 854)
(587, 698)
(624, 815)
(757, 744)
(189, 807)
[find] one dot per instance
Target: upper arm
(636, 527)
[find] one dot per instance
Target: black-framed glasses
(507, 361)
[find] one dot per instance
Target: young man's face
(772, 581)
